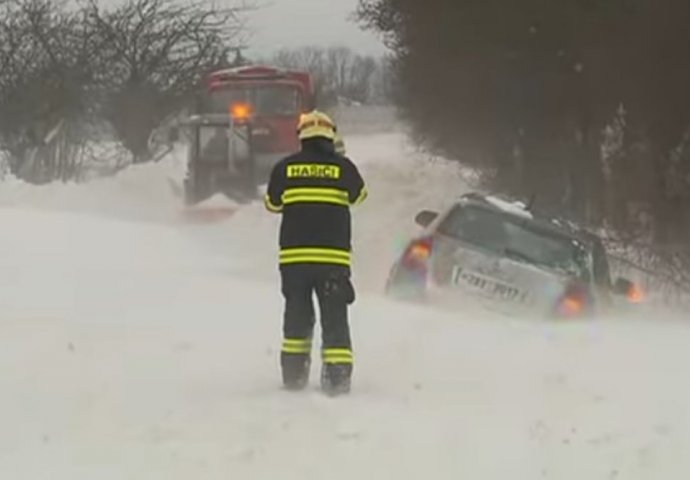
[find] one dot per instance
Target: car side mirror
(623, 286)
(631, 291)
(425, 217)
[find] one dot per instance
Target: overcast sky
(294, 23)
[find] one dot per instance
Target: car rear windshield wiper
(515, 255)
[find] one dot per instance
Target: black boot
(336, 379)
(295, 369)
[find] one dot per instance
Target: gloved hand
(338, 285)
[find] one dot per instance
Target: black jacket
(314, 189)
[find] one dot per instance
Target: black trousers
(334, 293)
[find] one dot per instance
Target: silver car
(498, 252)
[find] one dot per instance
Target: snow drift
(137, 346)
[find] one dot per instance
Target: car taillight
(635, 294)
(573, 303)
(418, 253)
(570, 306)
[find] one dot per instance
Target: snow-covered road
(136, 346)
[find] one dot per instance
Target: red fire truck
(244, 122)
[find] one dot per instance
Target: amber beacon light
(240, 111)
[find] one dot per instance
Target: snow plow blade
(216, 209)
(207, 215)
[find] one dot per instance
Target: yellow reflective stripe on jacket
(315, 195)
(296, 345)
(315, 255)
(270, 206)
(361, 197)
(337, 355)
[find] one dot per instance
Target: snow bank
(135, 346)
(140, 192)
(401, 182)
(155, 362)
(514, 208)
(366, 119)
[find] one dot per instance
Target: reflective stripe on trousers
(296, 346)
(337, 356)
(315, 255)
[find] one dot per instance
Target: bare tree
(45, 59)
(339, 73)
(153, 54)
(310, 59)
(67, 74)
(525, 97)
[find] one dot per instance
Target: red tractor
(244, 122)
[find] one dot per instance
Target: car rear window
(515, 238)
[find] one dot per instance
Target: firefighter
(314, 189)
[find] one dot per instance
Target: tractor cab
(276, 97)
(220, 158)
(245, 121)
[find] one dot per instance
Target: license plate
(488, 286)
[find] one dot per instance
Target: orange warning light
(240, 111)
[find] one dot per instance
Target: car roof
(540, 220)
